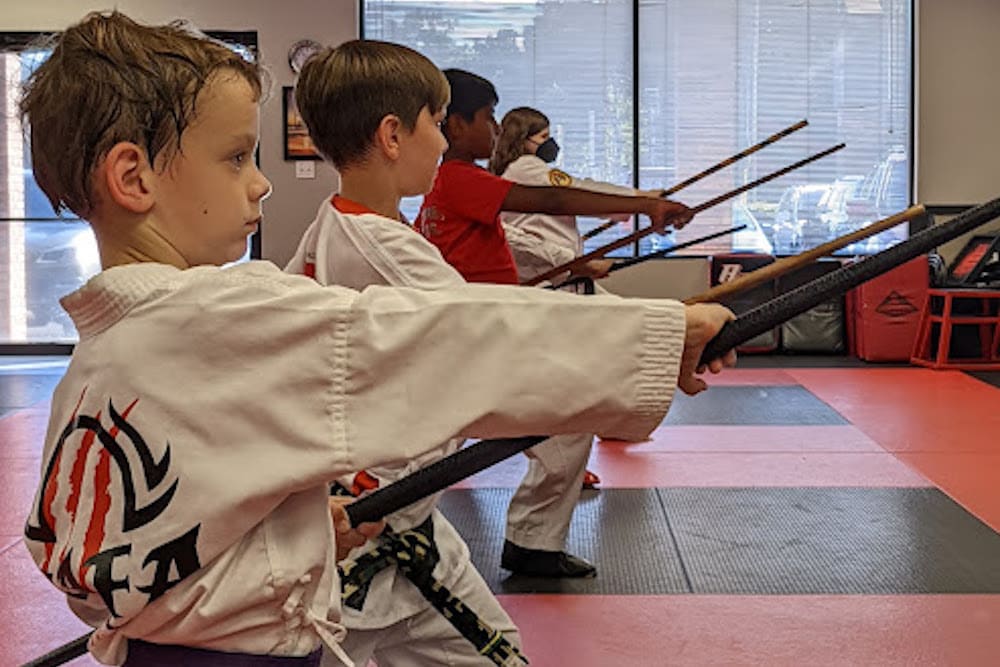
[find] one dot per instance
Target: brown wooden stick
(711, 170)
(788, 264)
(739, 156)
(638, 234)
(599, 229)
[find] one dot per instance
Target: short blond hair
(109, 80)
(343, 94)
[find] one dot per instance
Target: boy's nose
(265, 189)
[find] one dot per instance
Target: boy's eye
(239, 159)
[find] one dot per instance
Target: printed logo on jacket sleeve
(90, 521)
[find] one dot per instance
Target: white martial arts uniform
(204, 412)
(355, 248)
(539, 241)
(397, 625)
(541, 509)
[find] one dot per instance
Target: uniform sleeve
(533, 254)
(315, 382)
(491, 361)
(476, 194)
(608, 189)
(604, 188)
(533, 171)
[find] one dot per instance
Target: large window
(702, 80)
(573, 61)
(43, 257)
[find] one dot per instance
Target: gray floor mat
(989, 377)
(622, 531)
(752, 541)
(752, 405)
(831, 540)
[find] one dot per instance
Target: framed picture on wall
(298, 145)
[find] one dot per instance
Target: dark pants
(144, 654)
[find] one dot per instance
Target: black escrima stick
(481, 455)
(436, 477)
(61, 655)
(485, 453)
(786, 306)
(632, 261)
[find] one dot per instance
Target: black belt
(414, 552)
(145, 654)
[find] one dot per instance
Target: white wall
(278, 24)
(957, 130)
(958, 101)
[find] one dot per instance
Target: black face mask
(548, 150)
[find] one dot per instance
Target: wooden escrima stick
(789, 264)
(711, 170)
(631, 238)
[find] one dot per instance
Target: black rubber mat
(23, 390)
(752, 405)
(989, 377)
(831, 540)
(621, 531)
(793, 360)
(752, 541)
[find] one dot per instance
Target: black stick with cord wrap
(485, 453)
(632, 261)
(436, 477)
(786, 306)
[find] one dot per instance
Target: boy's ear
(388, 135)
(127, 176)
(453, 125)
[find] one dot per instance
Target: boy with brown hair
(183, 502)
(374, 110)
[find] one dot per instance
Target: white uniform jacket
(538, 241)
(183, 495)
(358, 250)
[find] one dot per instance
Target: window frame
(913, 226)
(20, 40)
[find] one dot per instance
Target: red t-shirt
(461, 216)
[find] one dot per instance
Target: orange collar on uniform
(345, 205)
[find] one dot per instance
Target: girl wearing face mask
(524, 153)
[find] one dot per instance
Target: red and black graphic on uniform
(69, 470)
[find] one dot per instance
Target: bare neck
(372, 188)
(458, 153)
(132, 240)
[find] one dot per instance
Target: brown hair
(515, 128)
(343, 94)
(109, 80)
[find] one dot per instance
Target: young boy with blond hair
(183, 501)
(374, 110)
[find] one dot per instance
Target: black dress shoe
(539, 563)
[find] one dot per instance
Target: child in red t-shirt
(460, 215)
